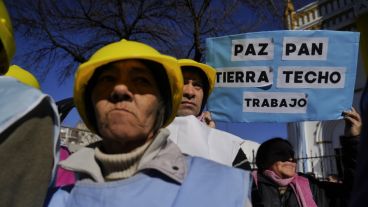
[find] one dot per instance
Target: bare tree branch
(62, 34)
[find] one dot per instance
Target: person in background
(127, 92)
(199, 82)
(276, 182)
(63, 177)
(29, 128)
(194, 130)
(360, 188)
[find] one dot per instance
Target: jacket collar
(264, 179)
(162, 155)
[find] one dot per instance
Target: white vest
(197, 139)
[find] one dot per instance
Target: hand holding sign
(353, 123)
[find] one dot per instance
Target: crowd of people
(159, 146)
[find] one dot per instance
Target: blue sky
(252, 131)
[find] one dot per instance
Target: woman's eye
(142, 80)
(106, 79)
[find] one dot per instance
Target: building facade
(76, 138)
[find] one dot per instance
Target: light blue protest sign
(283, 76)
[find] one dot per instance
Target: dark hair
(4, 63)
(273, 150)
(162, 81)
(206, 84)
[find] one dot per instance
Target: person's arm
(27, 152)
(338, 193)
(349, 143)
(353, 123)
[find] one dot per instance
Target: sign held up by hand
(283, 76)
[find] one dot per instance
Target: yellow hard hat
(124, 50)
(7, 38)
(23, 76)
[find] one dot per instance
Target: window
(326, 25)
(322, 10)
(335, 5)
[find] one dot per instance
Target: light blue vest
(207, 184)
(17, 100)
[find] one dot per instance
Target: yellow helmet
(7, 39)
(124, 50)
(23, 76)
(207, 70)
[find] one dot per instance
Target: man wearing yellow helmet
(126, 93)
(203, 140)
(29, 128)
(199, 82)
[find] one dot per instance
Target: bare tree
(61, 34)
(198, 20)
(66, 33)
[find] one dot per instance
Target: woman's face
(126, 102)
(286, 169)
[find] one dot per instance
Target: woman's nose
(120, 92)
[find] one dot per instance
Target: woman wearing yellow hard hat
(127, 92)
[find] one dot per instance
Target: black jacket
(266, 194)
